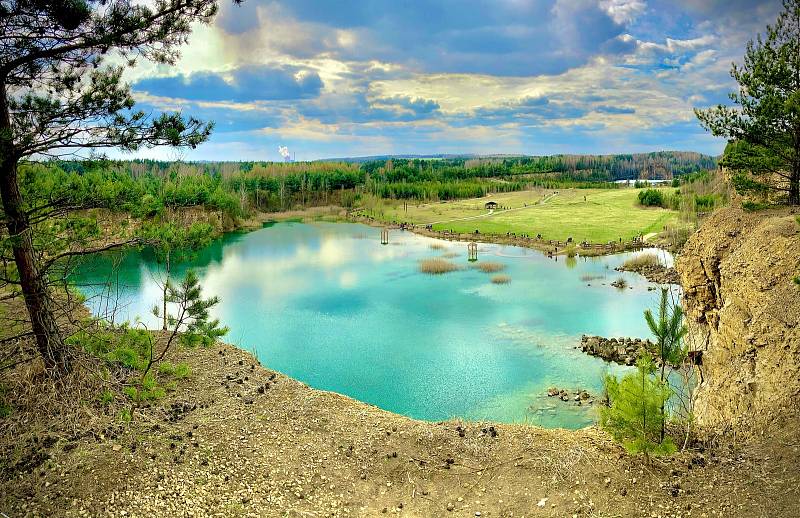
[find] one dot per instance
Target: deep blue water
(326, 303)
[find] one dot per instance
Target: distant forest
(238, 187)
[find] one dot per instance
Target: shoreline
(550, 248)
(234, 438)
(238, 439)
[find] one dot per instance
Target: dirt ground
(236, 439)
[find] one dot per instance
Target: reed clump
(491, 267)
(450, 255)
(501, 279)
(641, 261)
(437, 266)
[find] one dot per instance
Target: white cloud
(623, 11)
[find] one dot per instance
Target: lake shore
(236, 439)
(551, 248)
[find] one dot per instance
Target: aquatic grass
(450, 255)
(437, 266)
(589, 277)
(491, 267)
(641, 261)
(572, 251)
(501, 279)
(437, 246)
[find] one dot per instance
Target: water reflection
(328, 304)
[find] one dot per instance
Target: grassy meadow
(603, 215)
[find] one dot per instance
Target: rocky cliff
(743, 311)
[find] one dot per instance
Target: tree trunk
(34, 288)
(166, 289)
(794, 186)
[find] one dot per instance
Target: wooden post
(384, 236)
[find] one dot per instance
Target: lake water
(327, 304)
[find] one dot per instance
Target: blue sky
(365, 77)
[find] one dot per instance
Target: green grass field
(604, 215)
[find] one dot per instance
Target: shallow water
(327, 304)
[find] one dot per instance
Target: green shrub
(651, 198)
(149, 390)
(182, 370)
(634, 415)
(106, 397)
(178, 371)
(705, 202)
(126, 356)
(751, 206)
(130, 347)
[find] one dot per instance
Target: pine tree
(635, 415)
(191, 322)
(173, 242)
(58, 96)
(763, 130)
(669, 331)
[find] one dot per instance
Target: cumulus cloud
(354, 77)
(250, 83)
(623, 11)
(470, 36)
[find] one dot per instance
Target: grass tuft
(491, 267)
(641, 261)
(501, 279)
(437, 246)
(437, 266)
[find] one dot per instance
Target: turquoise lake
(327, 304)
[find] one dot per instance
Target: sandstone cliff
(743, 311)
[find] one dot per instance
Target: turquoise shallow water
(326, 303)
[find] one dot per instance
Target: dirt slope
(737, 273)
(217, 446)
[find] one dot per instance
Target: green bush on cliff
(634, 416)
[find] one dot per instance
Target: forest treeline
(144, 187)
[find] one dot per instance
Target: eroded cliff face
(743, 310)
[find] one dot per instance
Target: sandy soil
(236, 439)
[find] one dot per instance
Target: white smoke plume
(284, 151)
